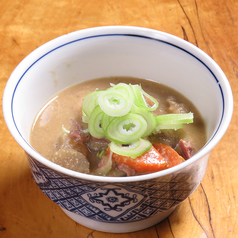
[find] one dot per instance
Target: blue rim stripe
(128, 35)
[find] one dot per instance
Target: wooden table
(212, 25)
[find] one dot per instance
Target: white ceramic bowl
(120, 204)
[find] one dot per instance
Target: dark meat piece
(168, 137)
(95, 145)
(77, 133)
(126, 169)
(101, 140)
(186, 148)
(75, 140)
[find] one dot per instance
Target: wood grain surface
(212, 210)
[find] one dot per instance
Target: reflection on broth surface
(61, 135)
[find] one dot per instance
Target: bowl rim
(133, 30)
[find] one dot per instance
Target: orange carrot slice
(168, 153)
(151, 161)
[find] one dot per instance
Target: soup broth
(63, 113)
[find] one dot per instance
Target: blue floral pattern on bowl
(110, 202)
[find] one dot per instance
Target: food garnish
(123, 114)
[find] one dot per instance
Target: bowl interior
(83, 56)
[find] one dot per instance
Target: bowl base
(119, 227)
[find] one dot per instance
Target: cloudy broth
(67, 106)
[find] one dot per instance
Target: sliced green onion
(150, 119)
(122, 113)
(126, 89)
(85, 119)
(100, 154)
(133, 150)
(105, 121)
(180, 118)
(106, 164)
(94, 123)
(114, 103)
(126, 129)
(173, 121)
(140, 98)
(90, 102)
(65, 130)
